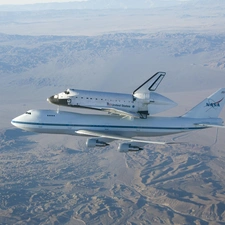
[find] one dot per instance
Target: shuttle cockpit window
(66, 92)
(29, 113)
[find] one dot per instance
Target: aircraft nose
(54, 99)
(17, 121)
(13, 121)
(59, 101)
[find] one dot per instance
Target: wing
(117, 137)
(120, 112)
(209, 125)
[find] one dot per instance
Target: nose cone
(13, 121)
(54, 99)
(162, 100)
(160, 104)
(59, 101)
(17, 121)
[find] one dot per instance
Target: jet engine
(126, 147)
(94, 142)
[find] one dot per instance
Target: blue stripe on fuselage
(107, 126)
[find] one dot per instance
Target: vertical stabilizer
(151, 84)
(209, 107)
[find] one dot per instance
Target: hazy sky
(19, 2)
(22, 2)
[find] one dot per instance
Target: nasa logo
(213, 104)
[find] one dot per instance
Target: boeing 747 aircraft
(105, 128)
(143, 102)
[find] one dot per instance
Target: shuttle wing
(116, 137)
(120, 112)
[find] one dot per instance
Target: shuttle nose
(59, 101)
(54, 99)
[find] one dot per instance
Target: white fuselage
(149, 103)
(48, 121)
(99, 99)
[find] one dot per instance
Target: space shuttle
(143, 102)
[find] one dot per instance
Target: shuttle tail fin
(209, 107)
(151, 84)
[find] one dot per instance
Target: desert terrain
(55, 179)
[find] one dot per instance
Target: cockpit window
(66, 92)
(29, 113)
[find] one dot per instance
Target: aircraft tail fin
(209, 107)
(151, 84)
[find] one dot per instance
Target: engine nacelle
(94, 142)
(126, 147)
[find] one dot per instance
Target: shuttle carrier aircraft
(103, 129)
(143, 102)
